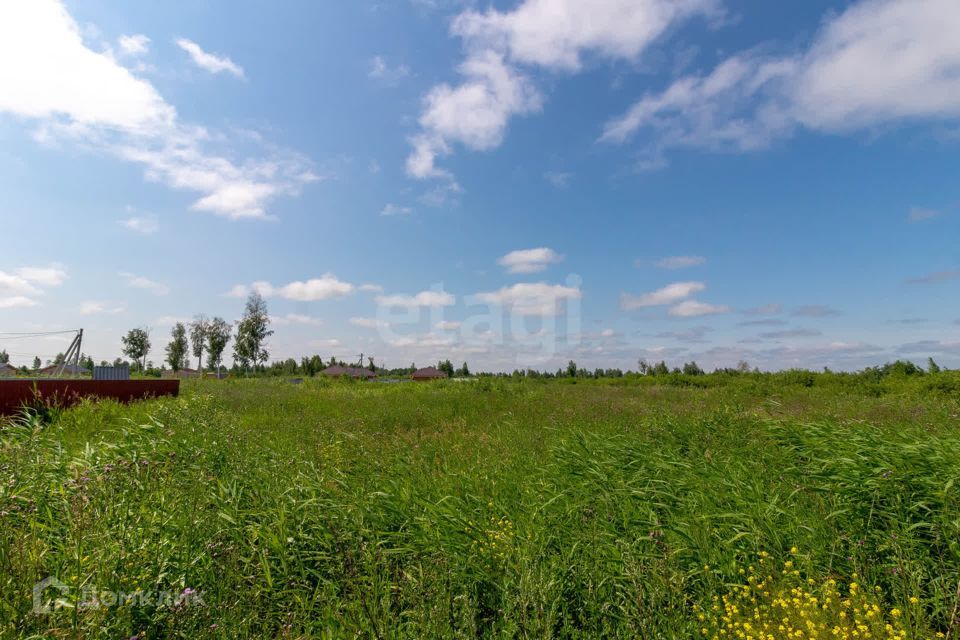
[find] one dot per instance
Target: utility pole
(73, 353)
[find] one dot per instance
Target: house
(63, 370)
(7, 370)
(357, 373)
(428, 373)
(180, 374)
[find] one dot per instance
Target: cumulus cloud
(145, 225)
(79, 96)
(559, 179)
(209, 61)
(21, 287)
(551, 34)
(529, 260)
(395, 210)
(448, 325)
(141, 282)
(295, 319)
(370, 288)
(667, 295)
(531, 298)
(694, 308)
(326, 287)
(134, 45)
(422, 299)
(16, 302)
(474, 113)
(837, 85)
(93, 307)
(368, 323)
(681, 262)
(381, 71)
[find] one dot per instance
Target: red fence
(64, 392)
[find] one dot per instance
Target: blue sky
(511, 184)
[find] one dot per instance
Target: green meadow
(762, 506)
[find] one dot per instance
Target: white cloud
(681, 262)
(322, 288)
(529, 260)
(395, 210)
(15, 302)
(370, 288)
(50, 276)
(878, 62)
(368, 323)
(91, 307)
(169, 321)
(17, 289)
(141, 282)
(422, 299)
(531, 298)
(238, 291)
(145, 225)
(295, 319)
(694, 308)
(448, 325)
(80, 96)
(135, 45)
(325, 287)
(667, 295)
(556, 33)
(547, 33)
(211, 62)
(381, 71)
(559, 179)
(474, 113)
(608, 333)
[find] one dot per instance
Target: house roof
(429, 372)
(67, 368)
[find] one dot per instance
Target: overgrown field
(492, 509)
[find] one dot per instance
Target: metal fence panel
(111, 373)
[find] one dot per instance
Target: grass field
(495, 508)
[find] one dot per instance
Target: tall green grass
(497, 509)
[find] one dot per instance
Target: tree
(4, 357)
(660, 369)
(370, 364)
(36, 362)
(198, 338)
(447, 367)
(136, 346)
(87, 362)
(572, 369)
(252, 330)
(692, 369)
(464, 371)
(177, 348)
(932, 367)
(218, 335)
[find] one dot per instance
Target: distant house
(180, 373)
(428, 373)
(357, 373)
(7, 370)
(67, 370)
